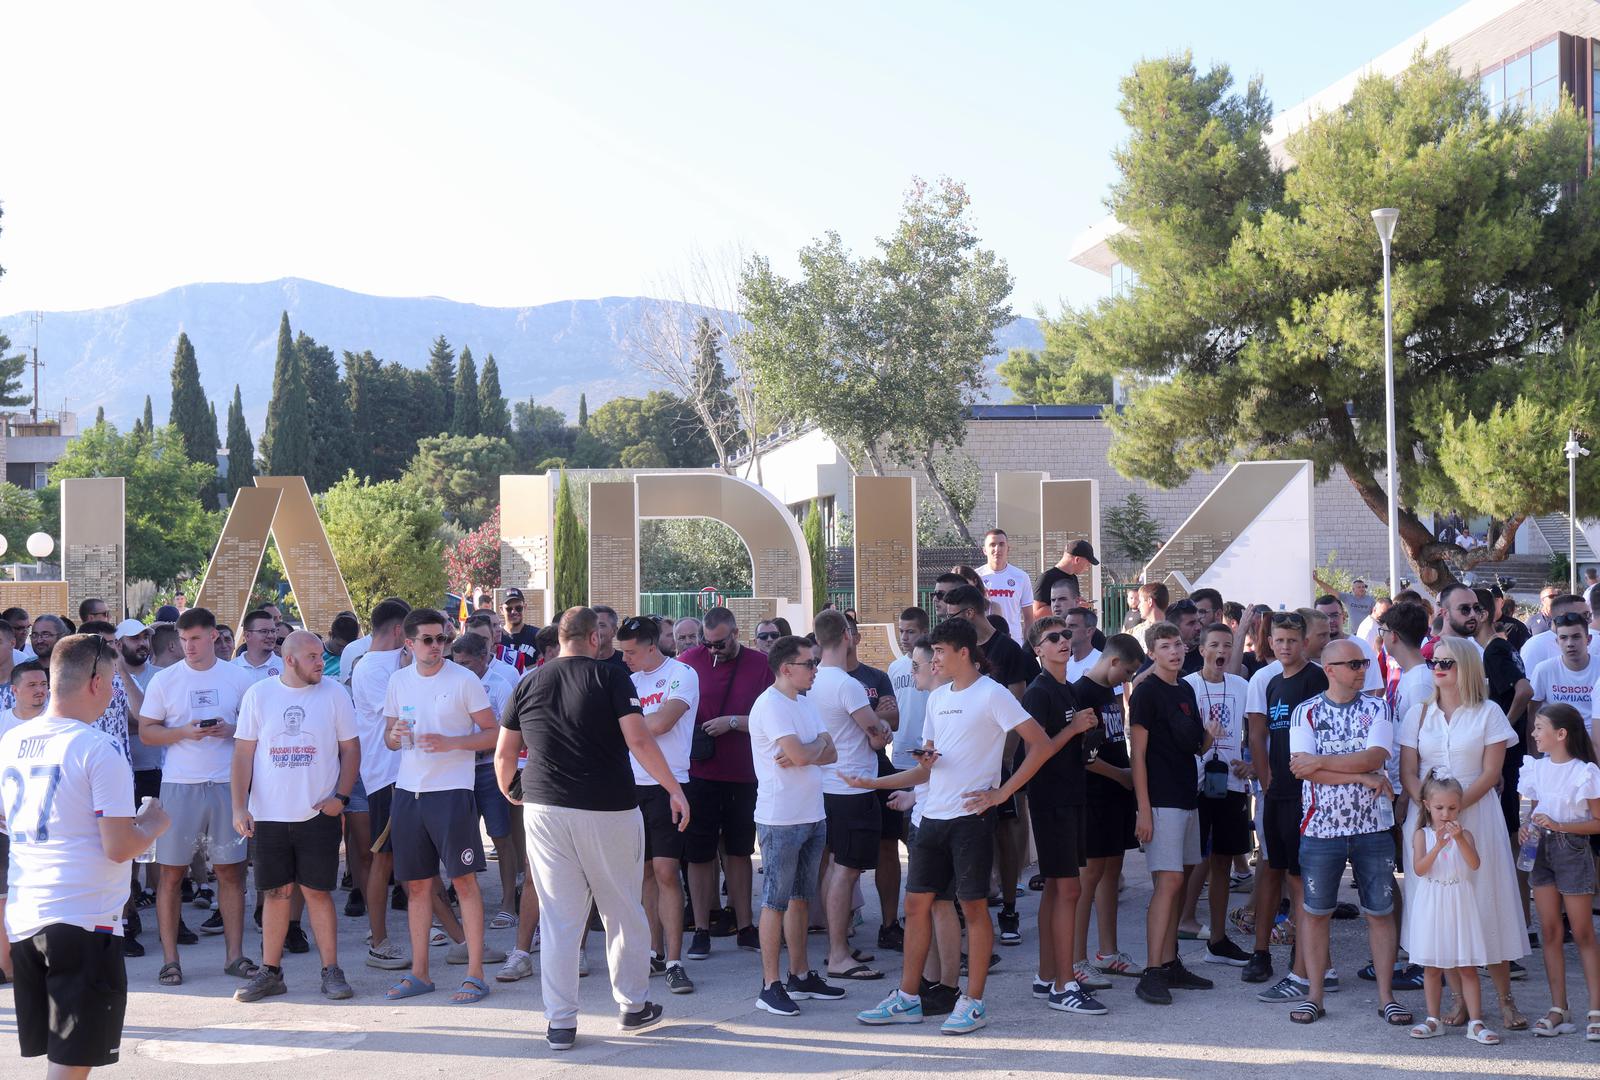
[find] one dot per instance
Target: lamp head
(1385, 220)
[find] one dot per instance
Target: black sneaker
(1226, 952)
(204, 897)
(1518, 971)
(131, 947)
(812, 985)
(1075, 999)
(678, 980)
(699, 945)
(355, 904)
(187, 891)
(295, 940)
(212, 925)
(1409, 979)
(749, 939)
(1010, 932)
(560, 1038)
(1153, 987)
(347, 882)
(1258, 969)
(638, 1021)
(658, 964)
(723, 923)
(185, 935)
(1181, 978)
(775, 1000)
(939, 1000)
(892, 937)
(132, 925)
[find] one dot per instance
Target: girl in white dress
(1458, 732)
(1445, 931)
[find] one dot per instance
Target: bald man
(296, 757)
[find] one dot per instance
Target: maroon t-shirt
(728, 689)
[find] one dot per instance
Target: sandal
(1592, 1031)
(473, 990)
(242, 968)
(1513, 1017)
(408, 987)
(1479, 1032)
(1457, 1015)
(1555, 1021)
(862, 956)
(1431, 1028)
(1395, 1014)
(1307, 1012)
(859, 973)
(170, 975)
(503, 920)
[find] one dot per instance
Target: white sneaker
(519, 965)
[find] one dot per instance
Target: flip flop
(859, 973)
(408, 987)
(475, 990)
(242, 968)
(862, 956)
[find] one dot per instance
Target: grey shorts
(1565, 861)
(199, 811)
(1175, 842)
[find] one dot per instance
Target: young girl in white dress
(1446, 932)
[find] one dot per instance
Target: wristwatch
(733, 723)
(342, 798)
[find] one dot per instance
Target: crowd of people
(625, 771)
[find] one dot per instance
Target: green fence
(682, 605)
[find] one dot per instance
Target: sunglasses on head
(635, 624)
(1443, 663)
(1570, 618)
(1290, 620)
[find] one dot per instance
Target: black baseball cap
(513, 594)
(1082, 549)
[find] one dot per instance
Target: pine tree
(100, 416)
(286, 448)
(216, 440)
(438, 410)
(465, 418)
(494, 415)
(11, 367)
(241, 451)
(149, 416)
(572, 552)
(583, 411)
(329, 412)
(191, 412)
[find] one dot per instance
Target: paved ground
(192, 1030)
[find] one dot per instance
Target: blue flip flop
(474, 986)
(408, 987)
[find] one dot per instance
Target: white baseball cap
(130, 628)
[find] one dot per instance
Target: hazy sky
(519, 153)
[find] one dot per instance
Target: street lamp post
(1385, 220)
(1574, 452)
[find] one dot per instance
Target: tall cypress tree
(583, 411)
(216, 437)
(329, 411)
(465, 418)
(241, 451)
(286, 448)
(191, 412)
(100, 416)
(438, 410)
(149, 416)
(494, 415)
(571, 551)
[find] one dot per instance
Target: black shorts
(380, 804)
(894, 821)
(855, 823)
(304, 853)
(719, 808)
(433, 827)
(662, 840)
(954, 854)
(1109, 820)
(71, 995)
(5, 866)
(1225, 825)
(1281, 823)
(1060, 834)
(146, 782)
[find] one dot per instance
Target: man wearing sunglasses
(517, 636)
(1540, 620)
(943, 586)
(1333, 607)
(767, 632)
(1463, 614)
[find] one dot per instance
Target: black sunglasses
(1354, 665)
(939, 596)
(812, 664)
(718, 645)
(770, 635)
(636, 623)
(1443, 663)
(1468, 609)
(1570, 618)
(1053, 636)
(1289, 619)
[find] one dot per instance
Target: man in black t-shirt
(1510, 689)
(518, 641)
(1076, 560)
(579, 718)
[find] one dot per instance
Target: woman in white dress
(1458, 732)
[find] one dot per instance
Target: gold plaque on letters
(319, 588)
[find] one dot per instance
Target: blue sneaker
(897, 1008)
(968, 1015)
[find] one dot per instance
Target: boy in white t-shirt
(964, 736)
(1010, 592)
(669, 695)
(296, 758)
(1571, 675)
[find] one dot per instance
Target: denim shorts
(358, 798)
(492, 805)
(1370, 855)
(791, 855)
(1565, 861)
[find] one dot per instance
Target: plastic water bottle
(408, 733)
(148, 855)
(1530, 850)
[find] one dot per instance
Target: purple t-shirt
(728, 689)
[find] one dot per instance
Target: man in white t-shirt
(1542, 646)
(1080, 628)
(295, 761)
(260, 631)
(191, 708)
(855, 817)
(912, 703)
(369, 689)
(1010, 591)
(669, 695)
(1572, 674)
(437, 715)
(789, 745)
(67, 794)
(964, 736)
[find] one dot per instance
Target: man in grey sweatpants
(578, 719)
